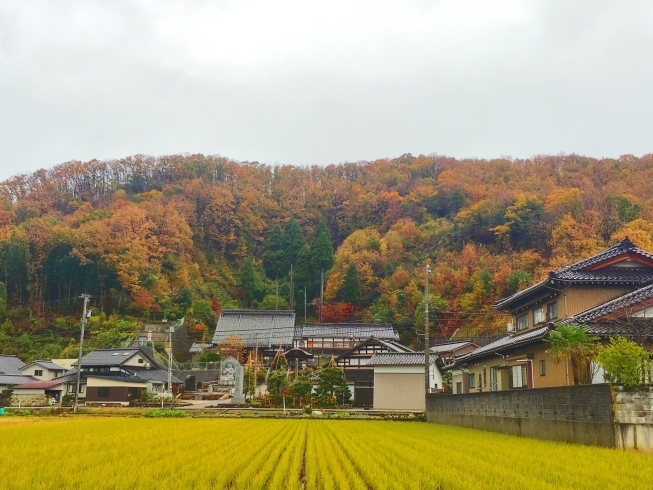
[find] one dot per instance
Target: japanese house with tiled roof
(360, 376)
(610, 293)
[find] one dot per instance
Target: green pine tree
(274, 256)
(293, 242)
(351, 288)
(321, 249)
(250, 283)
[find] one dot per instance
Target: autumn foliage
(192, 234)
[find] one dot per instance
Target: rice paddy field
(135, 453)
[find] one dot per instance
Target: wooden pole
(86, 297)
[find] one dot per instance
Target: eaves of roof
(620, 303)
(583, 273)
(506, 344)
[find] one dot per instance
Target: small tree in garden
(625, 362)
(572, 342)
(301, 390)
(277, 382)
(332, 384)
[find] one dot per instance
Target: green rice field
(135, 453)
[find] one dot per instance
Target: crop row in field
(295, 454)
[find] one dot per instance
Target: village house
(444, 353)
(262, 330)
(608, 293)
(324, 340)
(360, 376)
(120, 375)
(269, 330)
(10, 372)
(43, 370)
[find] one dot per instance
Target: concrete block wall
(599, 415)
(633, 415)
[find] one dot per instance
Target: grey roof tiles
(398, 359)
(10, 365)
(346, 331)
(268, 327)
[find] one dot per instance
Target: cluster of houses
(113, 376)
(610, 294)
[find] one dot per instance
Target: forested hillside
(192, 234)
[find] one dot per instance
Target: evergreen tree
(250, 283)
(303, 271)
(332, 384)
(351, 288)
(321, 249)
(274, 256)
(293, 242)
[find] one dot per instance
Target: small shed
(399, 380)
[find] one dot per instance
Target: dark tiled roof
(390, 345)
(109, 357)
(346, 331)
(622, 302)
(270, 327)
(506, 343)
(359, 374)
(15, 379)
(634, 328)
(624, 246)
(10, 365)
(398, 359)
(635, 276)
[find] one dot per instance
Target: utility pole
(427, 352)
(170, 360)
(321, 294)
(85, 297)
(255, 361)
(292, 290)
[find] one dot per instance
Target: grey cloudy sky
(322, 82)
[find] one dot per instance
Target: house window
(538, 315)
(472, 378)
(132, 392)
(82, 388)
(140, 361)
(552, 311)
(38, 372)
(522, 322)
(480, 385)
(103, 392)
(459, 388)
(519, 379)
(542, 367)
(71, 388)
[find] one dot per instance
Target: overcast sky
(322, 82)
